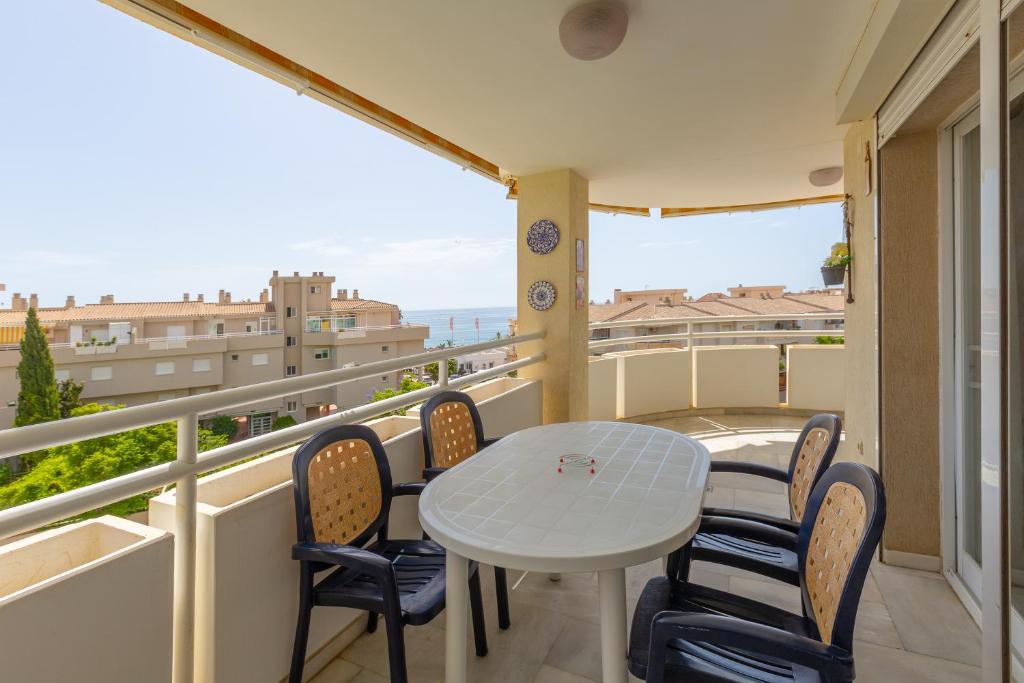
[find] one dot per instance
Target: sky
(133, 163)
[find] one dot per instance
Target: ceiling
(704, 104)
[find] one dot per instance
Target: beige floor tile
(338, 671)
(758, 501)
(870, 592)
(874, 625)
(424, 652)
(928, 616)
(574, 596)
(369, 677)
(878, 664)
(720, 497)
(746, 482)
(578, 650)
(549, 674)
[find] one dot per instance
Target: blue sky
(136, 164)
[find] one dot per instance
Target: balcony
(554, 634)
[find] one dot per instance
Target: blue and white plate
(542, 237)
(541, 295)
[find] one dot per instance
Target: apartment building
(770, 301)
(140, 352)
(655, 297)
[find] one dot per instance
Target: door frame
(949, 348)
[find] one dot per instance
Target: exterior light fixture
(594, 29)
(823, 177)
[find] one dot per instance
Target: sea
(492, 322)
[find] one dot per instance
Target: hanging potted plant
(834, 268)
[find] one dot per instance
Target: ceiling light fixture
(594, 30)
(823, 177)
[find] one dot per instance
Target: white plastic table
(508, 506)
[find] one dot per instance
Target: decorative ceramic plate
(541, 295)
(542, 237)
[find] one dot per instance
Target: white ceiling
(706, 103)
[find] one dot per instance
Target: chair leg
(396, 646)
(302, 624)
(501, 591)
(371, 623)
(678, 566)
(476, 608)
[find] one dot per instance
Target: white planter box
(816, 376)
(740, 376)
(652, 381)
(602, 390)
(88, 602)
(247, 583)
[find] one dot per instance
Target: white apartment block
(772, 301)
(135, 353)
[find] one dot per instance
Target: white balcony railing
(183, 471)
(690, 335)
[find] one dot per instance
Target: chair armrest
(770, 520)
(412, 488)
(432, 473)
(752, 531)
(364, 561)
(751, 468)
(835, 663)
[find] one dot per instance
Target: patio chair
(723, 537)
(687, 632)
(452, 432)
(343, 492)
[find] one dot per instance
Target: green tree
(75, 465)
(433, 370)
(37, 396)
(826, 339)
(224, 425)
(409, 383)
(68, 392)
(282, 422)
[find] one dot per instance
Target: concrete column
(561, 197)
(861, 401)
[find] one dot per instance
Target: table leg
(457, 606)
(611, 585)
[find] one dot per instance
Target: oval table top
(509, 506)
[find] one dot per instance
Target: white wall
(816, 376)
(602, 386)
(88, 602)
(739, 376)
(652, 381)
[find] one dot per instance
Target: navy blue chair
(452, 432)
(734, 537)
(687, 632)
(343, 493)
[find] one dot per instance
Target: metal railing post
(185, 554)
(442, 372)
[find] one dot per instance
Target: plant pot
(833, 275)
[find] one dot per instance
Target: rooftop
(717, 304)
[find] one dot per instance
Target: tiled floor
(910, 626)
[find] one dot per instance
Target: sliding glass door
(967, 349)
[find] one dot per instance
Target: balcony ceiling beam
(698, 210)
(895, 33)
